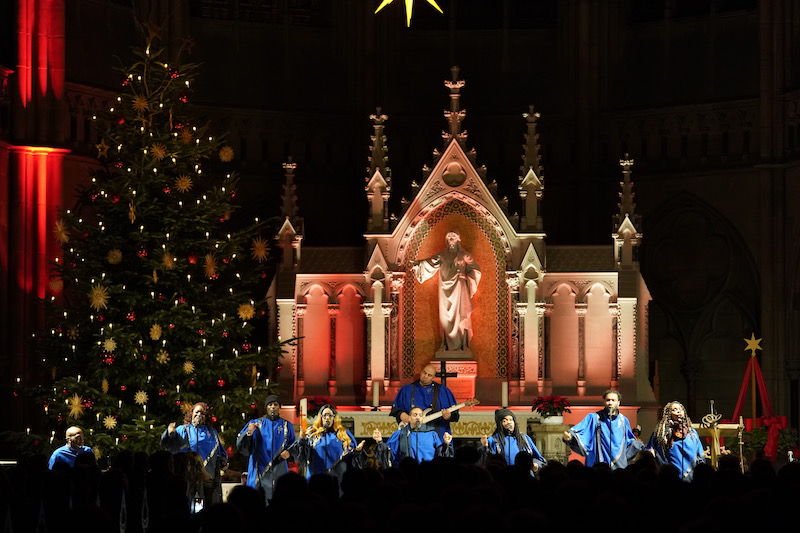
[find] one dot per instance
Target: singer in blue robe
(676, 442)
(507, 440)
(195, 435)
(268, 442)
(68, 453)
(418, 441)
(329, 447)
(426, 394)
(605, 436)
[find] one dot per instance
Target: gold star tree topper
(409, 8)
(752, 344)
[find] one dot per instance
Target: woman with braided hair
(676, 442)
(327, 447)
(507, 441)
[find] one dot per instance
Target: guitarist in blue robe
(416, 440)
(267, 441)
(507, 441)
(426, 394)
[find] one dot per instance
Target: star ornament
(98, 297)
(752, 344)
(109, 422)
(140, 397)
(61, 232)
(246, 311)
(259, 249)
(409, 8)
(75, 404)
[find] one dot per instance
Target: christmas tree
(159, 295)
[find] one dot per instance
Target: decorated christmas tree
(159, 292)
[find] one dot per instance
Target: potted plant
(551, 408)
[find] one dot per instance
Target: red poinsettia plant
(551, 405)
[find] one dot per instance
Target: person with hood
(507, 441)
(267, 442)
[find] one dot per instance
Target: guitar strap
(434, 397)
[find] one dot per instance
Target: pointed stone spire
(289, 197)
(455, 115)
(379, 176)
(627, 236)
(531, 178)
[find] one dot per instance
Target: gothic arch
(696, 264)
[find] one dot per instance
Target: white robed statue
(459, 276)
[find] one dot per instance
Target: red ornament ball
(184, 98)
(166, 190)
(131, 316)
(192, 383)
(213, 419)
(192, 259)
(141, 253)
(220, 383)
(246, 347)
(123, 388)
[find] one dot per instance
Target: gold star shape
(752, 344)
(162, 357)
(168, 260)
(104, 386)
(183, 183)
(140, 398)
(260, 250)
(188, 367)
(246, 311)
(61, 232)
(109, 345)
(140, 103)
(114, 257)
(186, 136)
(98, 297)
(159, 151)
(226, 154)
(75, 404)
(155, 332)
(102, 148)
(109, 422)
(409, 8)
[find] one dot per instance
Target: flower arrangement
(551, 405)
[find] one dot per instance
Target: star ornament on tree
(75, 404)
(410, 8)
(752, 344)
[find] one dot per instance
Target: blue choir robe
(604, 439)
(269, 439)
(325, 454)
(434, 397)
(422, 444)
(67, 455)
(684, 453)
(201, 439)
(510, 448)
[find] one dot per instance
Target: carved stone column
(368, 309)
(333, 312)
(580, 310)
(394, 371)
(538, 373)
(300, 384)
(386, 310)
(614, 311)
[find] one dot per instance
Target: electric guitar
(427, 416)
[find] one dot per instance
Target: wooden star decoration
(752, 344)
(410, 8)
(102, 148)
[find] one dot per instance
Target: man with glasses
(67, 454)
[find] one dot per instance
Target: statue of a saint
(459, 276)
